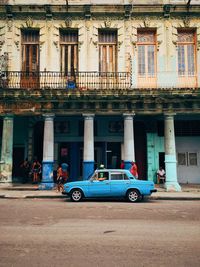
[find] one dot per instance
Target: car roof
(112, 170)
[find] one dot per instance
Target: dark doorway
(113, 155)
(162, 159)
(18, 158)
(140, 149)
(64, 154)
(99, 154)
(38, 140)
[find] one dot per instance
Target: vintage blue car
(106, 183)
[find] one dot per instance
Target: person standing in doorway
(161, 175)
(36, 170)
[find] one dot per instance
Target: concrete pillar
(129, 147)
(88, 149)
(7, 150)
(48, 153)
(171, 183)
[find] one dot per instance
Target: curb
(177, 198)
(45, 197)
(29, 197)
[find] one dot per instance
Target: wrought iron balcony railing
(59, 80)
(96, 80)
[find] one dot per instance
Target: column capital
(48, 116)
(169, 114)
(8, 116)
(129, 115)
(88, 116)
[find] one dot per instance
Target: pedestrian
(25, 169)
(161, 175)
(62, 176)
(36, 170)
(122, 165)
(134, 169)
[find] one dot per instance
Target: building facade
(92, 82)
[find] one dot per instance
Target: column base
(88, 169)
(6, 184)
(46, 186)
(5, 176)
(172, 187)
(47, 176)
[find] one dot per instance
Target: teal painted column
(48, 153)
(171, 183)
(7, 150)
(129, 147)
(151, 151)
(88, 150)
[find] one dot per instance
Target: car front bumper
(65, 193)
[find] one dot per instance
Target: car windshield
(93, 177)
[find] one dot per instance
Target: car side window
(126, 177)
(103, 176)
(119, 176)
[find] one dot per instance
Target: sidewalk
(15, 191)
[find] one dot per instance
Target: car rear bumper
(153, 190)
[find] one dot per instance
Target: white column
(48, 153)
(7, 150)
(88, 150)
(171, 183)
(129, 147)
(48, 144)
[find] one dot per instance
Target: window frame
(66, 47)
(105, 48)
(146, 45)
(187, 159)
(185, 45)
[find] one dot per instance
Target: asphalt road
(57, 232)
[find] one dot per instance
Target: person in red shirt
(134, 169)
(122, 165)
(62, 176)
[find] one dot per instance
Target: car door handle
(107, 183)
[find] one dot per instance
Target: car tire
(76, 195)
(133, 195)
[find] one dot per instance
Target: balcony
(96, 80)
(59, 80)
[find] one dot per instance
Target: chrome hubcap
(133, 196)
(76, 195)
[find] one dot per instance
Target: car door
(119, 183)
(99, 185)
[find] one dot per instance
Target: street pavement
(15, 191)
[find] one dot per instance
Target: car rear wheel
(76, 195)
(133, 195)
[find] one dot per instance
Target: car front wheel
(76, 195)
(133, 195)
